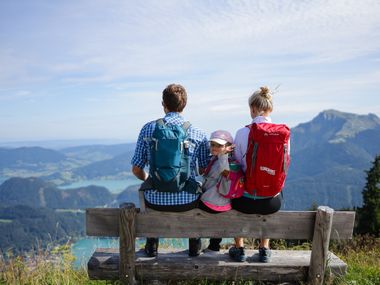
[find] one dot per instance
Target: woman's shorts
(257, 206)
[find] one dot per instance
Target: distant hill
(118, 165)
(329, 156)
(24, 156)
(35, 192)
(98, 152)
(69, 164)
(35, 213)
(24, 228)
(130, 195)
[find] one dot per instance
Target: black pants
(257, 206)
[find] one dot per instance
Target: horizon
(93, 70)
(58, 144)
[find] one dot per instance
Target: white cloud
(120, 39)
(117, 56)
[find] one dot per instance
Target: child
(215, 182)
(260, 105)
(218, 167)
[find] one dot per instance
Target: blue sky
(93, 69)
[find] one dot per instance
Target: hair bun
(266, 92)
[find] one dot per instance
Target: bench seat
(175, 264)
(131, 266)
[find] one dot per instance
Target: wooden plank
(104, 264)
(102, 222)
(286, 265)
(127, 244)
(320, 246)
(142, 201)
(197, 223)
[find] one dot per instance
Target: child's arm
(224, 166)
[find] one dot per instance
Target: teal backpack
(169, 165)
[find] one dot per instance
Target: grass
(44, 268)
(55, 266)
(362, 254)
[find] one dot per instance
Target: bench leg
(320, 247)
(127, 243)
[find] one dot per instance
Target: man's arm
(139, 173)
(140, 156)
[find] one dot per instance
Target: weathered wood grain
(286, 265)
(142, 201)
(320, 246)
(197, 223)
(102, 222)
(127, 244)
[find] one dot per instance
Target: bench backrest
(197, 223)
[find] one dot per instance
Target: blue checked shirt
(199, 151)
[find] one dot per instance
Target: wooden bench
(131, 266)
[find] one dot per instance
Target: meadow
(55, 265)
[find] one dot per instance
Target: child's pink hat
(221, 137)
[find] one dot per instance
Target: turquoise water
(115, 186)
(84, 248)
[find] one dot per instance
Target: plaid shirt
(199, 151)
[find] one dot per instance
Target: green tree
(369, 214)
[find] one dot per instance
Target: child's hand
(225, 173)
(229, 148)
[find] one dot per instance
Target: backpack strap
(185, 126)
(255, 146)
(210, 164)
(254, 155)
(160, 122)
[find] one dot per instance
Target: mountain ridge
(329, 157)
(334, 148)
(35, 192)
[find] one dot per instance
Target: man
(174, 99)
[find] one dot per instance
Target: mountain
(35, 213)
(98, 152)
(35, 192)
(67, 165)
(25, 156)
(24, 228)
(329, 156)
(130, 195)
(118, 165)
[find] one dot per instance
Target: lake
(115, 186)
(2, 179)
(84, 248)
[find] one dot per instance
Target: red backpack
(267, 159)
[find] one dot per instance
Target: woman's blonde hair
(262, 100)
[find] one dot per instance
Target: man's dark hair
(174, 98)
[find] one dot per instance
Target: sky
(78, 69)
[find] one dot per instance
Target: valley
(329, 157)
